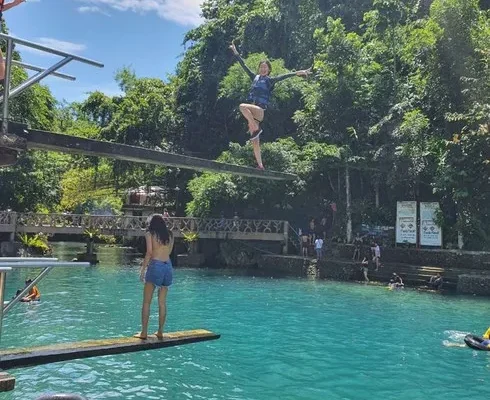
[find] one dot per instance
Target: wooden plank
(7, 382)
(26, 357)
(71, 144)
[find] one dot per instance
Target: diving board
(42, 140)
(28, 357)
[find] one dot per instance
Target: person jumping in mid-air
(259, 98)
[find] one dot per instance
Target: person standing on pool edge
(259, 97)
(156, 272)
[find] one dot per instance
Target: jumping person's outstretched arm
(304, 72)
(13, 4)
(242, 63)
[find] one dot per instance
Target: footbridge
(130, 226)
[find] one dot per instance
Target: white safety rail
(41, 73)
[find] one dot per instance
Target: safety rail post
(6, 85)
(286, 238)
(3, 273)
(13, 221)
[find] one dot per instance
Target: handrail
(20, 259)
(42, 73)
(40, 69)
(47, 49)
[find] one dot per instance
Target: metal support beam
(34, 79)
(47, 49)
(40, 69)
(42, 73)
(6, 86)
(26, 259)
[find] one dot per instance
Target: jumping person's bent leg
(145, 310)
(258, 114)
(247, 113)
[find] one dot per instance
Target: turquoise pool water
(281, 338)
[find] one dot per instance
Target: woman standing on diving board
(259, 97)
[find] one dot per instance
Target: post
(3, 274)
(347, 205)
(13, 221)
(6, 86)
(286, 238)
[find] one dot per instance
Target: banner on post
(406, 222)
(430, 232)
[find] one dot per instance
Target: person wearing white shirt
(319, 248)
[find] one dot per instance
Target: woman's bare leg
(162, 311)
(257, 153)
(247, 113)
(145, 310)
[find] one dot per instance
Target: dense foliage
(399, 104)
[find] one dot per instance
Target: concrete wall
(474, 284)
(436, 257)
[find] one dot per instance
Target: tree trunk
(376, 193)
(347, 204)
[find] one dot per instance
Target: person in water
(486, 338)
(156, 272)
(259, 98)
(34, 293)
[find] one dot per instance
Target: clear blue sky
(143, 34)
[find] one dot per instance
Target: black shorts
(261, 105)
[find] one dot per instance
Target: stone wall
(435, 257)
(284, 265)
(236, 254)
(9, 249)
(190, 260)
(338, 270)
(474, 284)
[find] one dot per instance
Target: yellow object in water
(486, 335)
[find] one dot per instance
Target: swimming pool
(281, 338)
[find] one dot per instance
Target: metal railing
(42, 73)
(119, 223)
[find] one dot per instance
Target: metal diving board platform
(28, 357)
(27, 139)
(42, 140)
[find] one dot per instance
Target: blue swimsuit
(262, 86)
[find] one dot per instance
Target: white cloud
(185, 12)
(61, 45)
(92, 9)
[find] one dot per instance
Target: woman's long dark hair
(158, 228)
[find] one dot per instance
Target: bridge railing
(116, 223)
